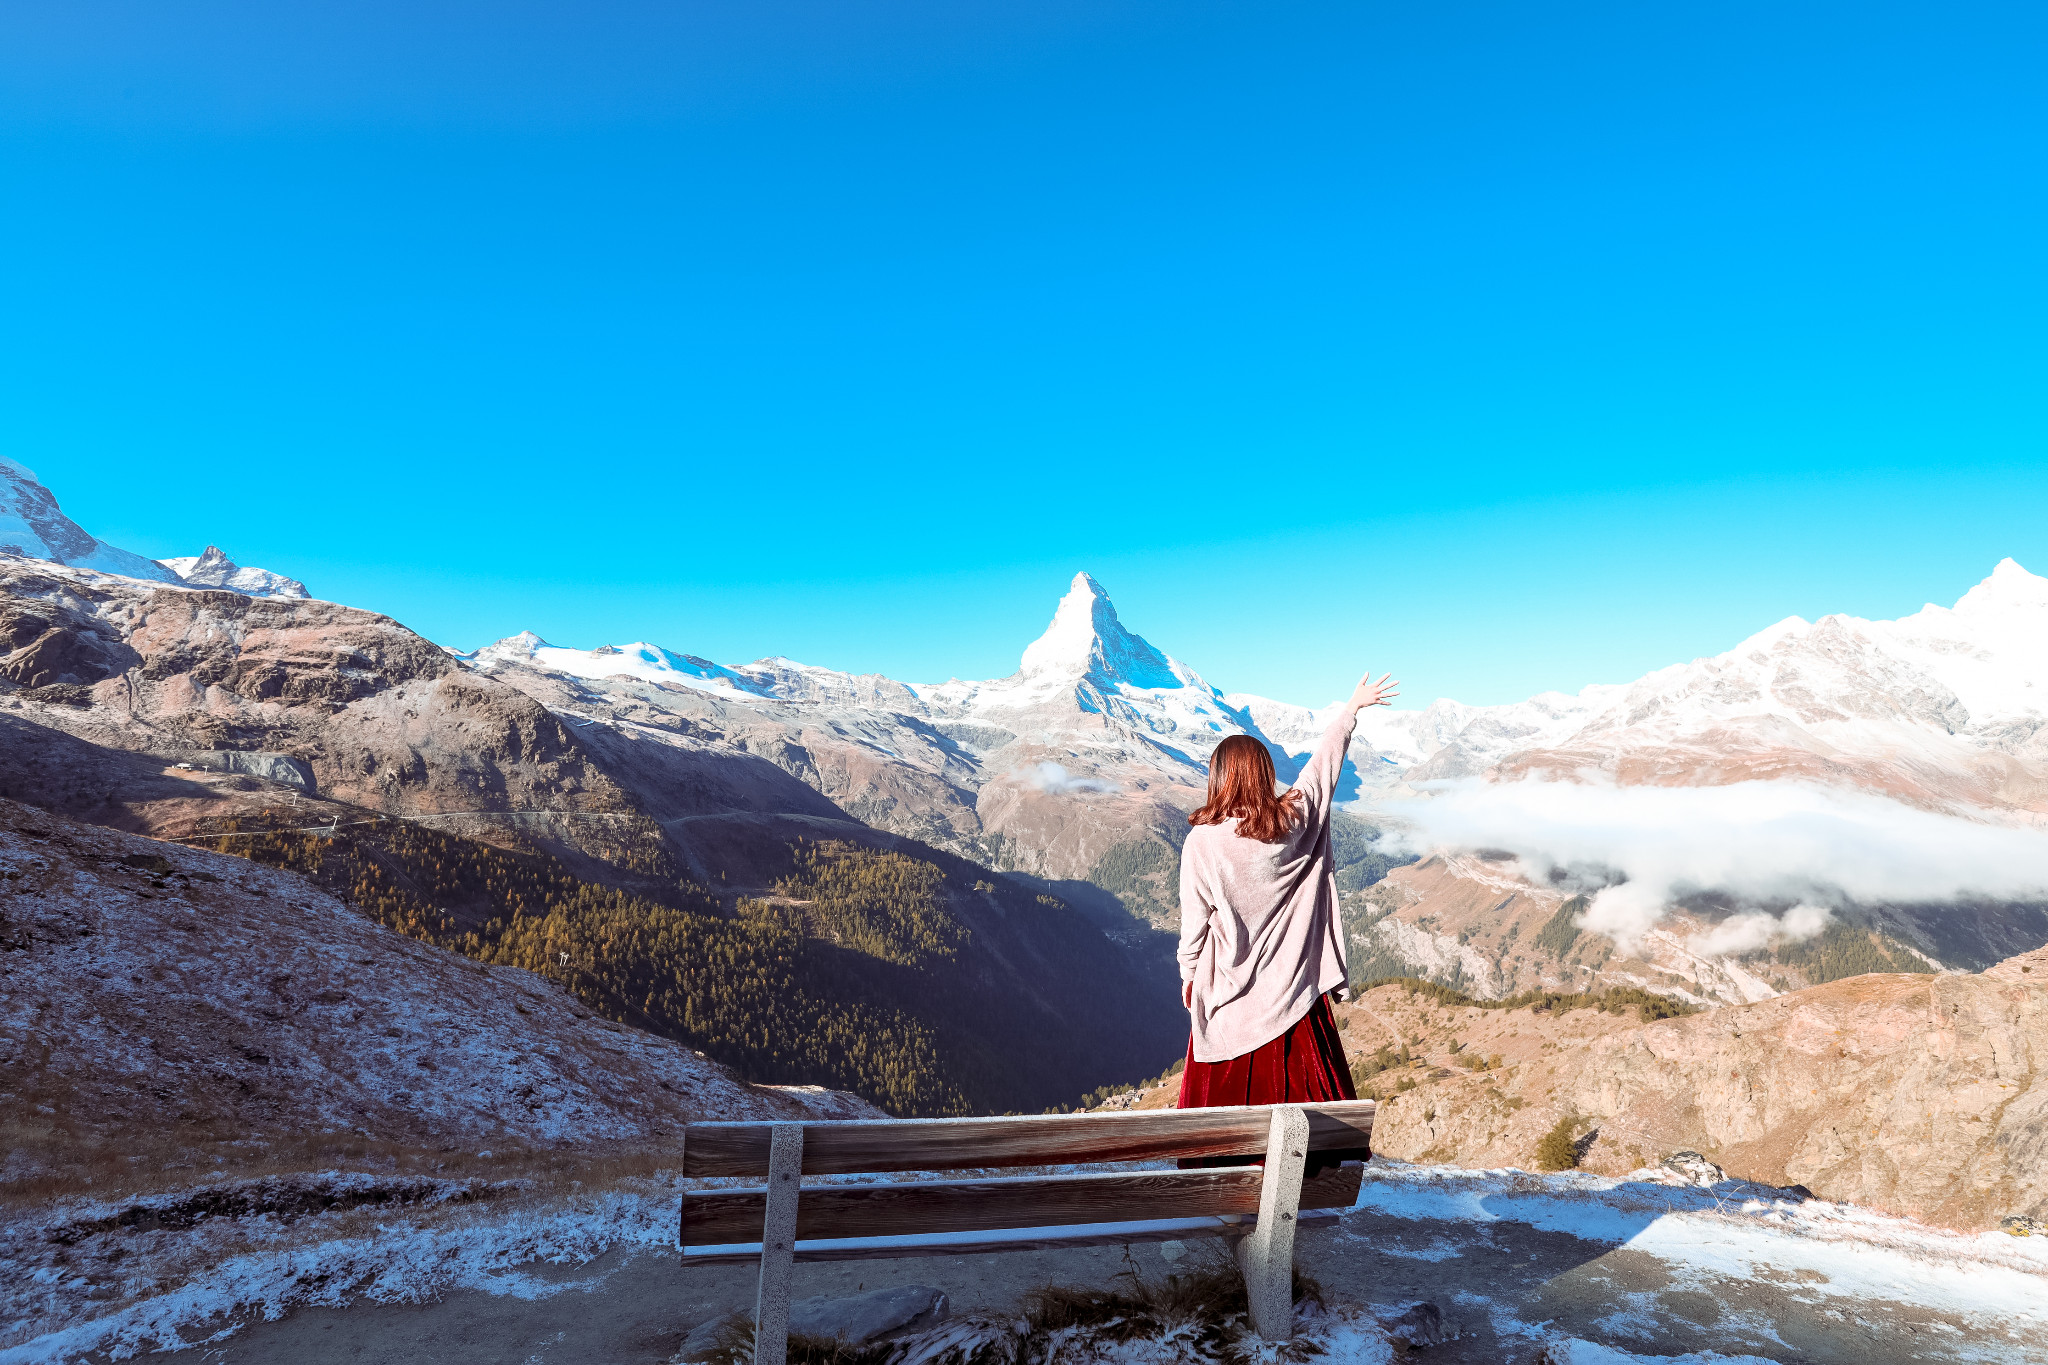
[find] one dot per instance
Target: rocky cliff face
(1920, 1095)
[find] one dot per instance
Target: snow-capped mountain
(215, 570)
(31, 527)
(1087, 662)
(1952, 703)
(1948, 705)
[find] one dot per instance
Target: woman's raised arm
(1318, 781)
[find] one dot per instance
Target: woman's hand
(1370, 693)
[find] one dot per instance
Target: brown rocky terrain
(161, 1007)
(365, 713)
(1919, 1095)
(371, 714)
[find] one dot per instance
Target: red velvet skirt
(1302, 1065)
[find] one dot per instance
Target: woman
(1260, 942)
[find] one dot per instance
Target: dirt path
(1500, 1286)
(1381, 1020)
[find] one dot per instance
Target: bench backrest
(873, 1146)
(1259, 1205)
(907, 1208)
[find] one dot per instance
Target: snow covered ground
(1565, 1269)
(1974, 1297)
(180, 1279)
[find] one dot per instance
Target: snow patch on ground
(1735, 1231)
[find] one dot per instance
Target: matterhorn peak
(1086, 639)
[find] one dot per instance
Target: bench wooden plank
(904, 1208)
(1009, 1239)
(873, 1145)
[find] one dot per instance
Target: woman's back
(1260, 941)
(1260, 938)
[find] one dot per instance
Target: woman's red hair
(1242, 786)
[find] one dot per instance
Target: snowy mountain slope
(1945, 707)
(32, 528)
(215, 570)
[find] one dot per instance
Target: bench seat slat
(846, 1147)
(905, 1208)
(1011, 1239)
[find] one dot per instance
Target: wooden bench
(782, 1222)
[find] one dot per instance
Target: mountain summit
(215, 570)
(2009, 588)
(1087, 640)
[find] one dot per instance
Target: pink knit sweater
(1259, 934)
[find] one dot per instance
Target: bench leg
(778, 1244)
(1268, 1254)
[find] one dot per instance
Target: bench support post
(778, 1244)
(1268, 1253)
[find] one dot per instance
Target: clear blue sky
(1510, 346)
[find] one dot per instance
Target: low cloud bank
(1760, 842)
(1053, 778)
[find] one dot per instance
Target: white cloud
(1745, 933)
(1756, 841)
(1051, 777)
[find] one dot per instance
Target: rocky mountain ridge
(1920, 1095)
(1939, 706)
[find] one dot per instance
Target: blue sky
(1508, 346)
